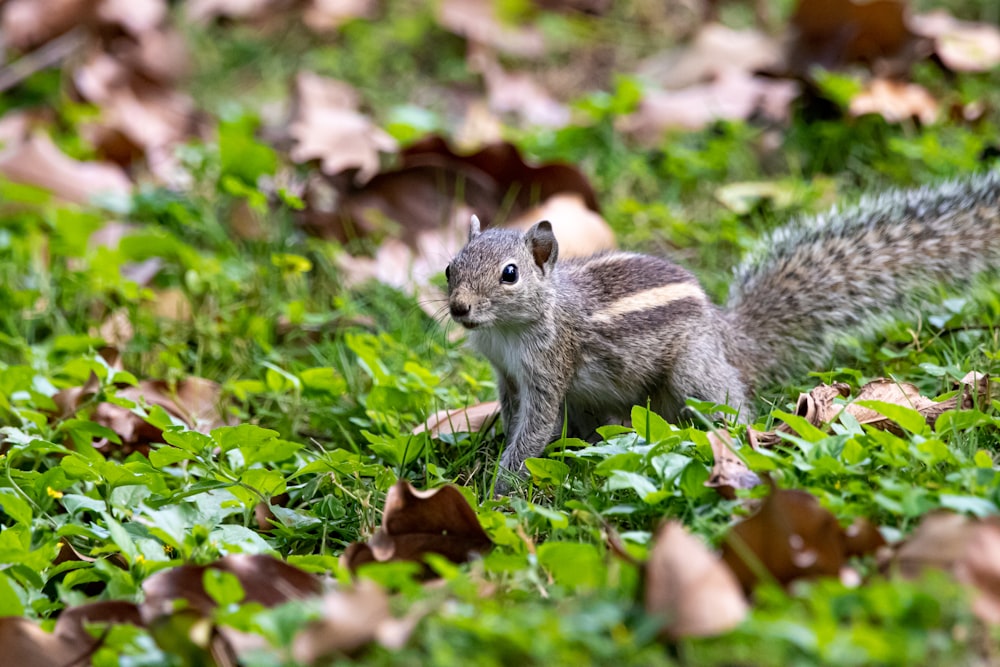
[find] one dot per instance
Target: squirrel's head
(501, 277)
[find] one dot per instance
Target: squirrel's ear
(474, 227)
(542, 244)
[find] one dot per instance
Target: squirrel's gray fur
(586, 339)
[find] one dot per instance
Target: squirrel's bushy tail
(843, 271)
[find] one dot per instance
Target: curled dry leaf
(265, 580)
(203, 11)
(833, 33)
(733, 94)
(729, 472)
(818, 406)
(69, 643)
(962, 46)
(431, 183)
(517, 93)
(896, 101)
(687, 586)
(580, 230)
(352, 619)
(477, 21)
(968, 548)
(472, 419)
(790, 537)
(713, 49)
(327, 126)
(327, 15)
(415, 523)
(26, 24)
(37, 161)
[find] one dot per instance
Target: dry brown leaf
(733, 94)
(25, 24)
(431, 185)
(326, 126)
(833, 33)
(962, 46)
(687, 586)
(580, 230)
(713, 49)
(416, 523)
(476, 20)
(729, 472)
(327, 15)
(37, 161)
(517, 92)
(968, 548)
(791, 537)
(265, 580)
(472, 419)
(352, 619)
(203, 11)
(134, 16)
(818, 406)
(70, 626)
(896, 101)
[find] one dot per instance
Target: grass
(342, 385)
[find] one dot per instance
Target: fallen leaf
(517, 92)
(416, 523)
(962, 46)
(327, 126)
(968, 548)
(818, 407)
(265, 580)
(351, 619)
(580, 230)
(896, 101)
(327, 15)
(689, 588)
(477, 21)
(34, 647)
(833, 33)
(733, 94)
(431, 184)
(713, 49)
(472, 419)
(203, 11)
(25, 24)
(729, 472)
(37, 161)
(790, 537)
(134, 16)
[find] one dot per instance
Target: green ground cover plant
(287, 395)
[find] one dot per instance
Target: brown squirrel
(589, 338)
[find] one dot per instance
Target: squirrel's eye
(509, 274)
(447, 273)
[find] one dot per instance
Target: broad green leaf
(120, 537)
(574, 565)
(547, 472)
(223, 587)
(10, 601)
(974, 505)
(649, 425)
(15, 507)
(244, 436)
(168, 455)
(800, 425)
(906, 417)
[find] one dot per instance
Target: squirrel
(588, 338)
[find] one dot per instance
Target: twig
(41, 58)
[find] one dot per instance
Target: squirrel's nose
(459, 309)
